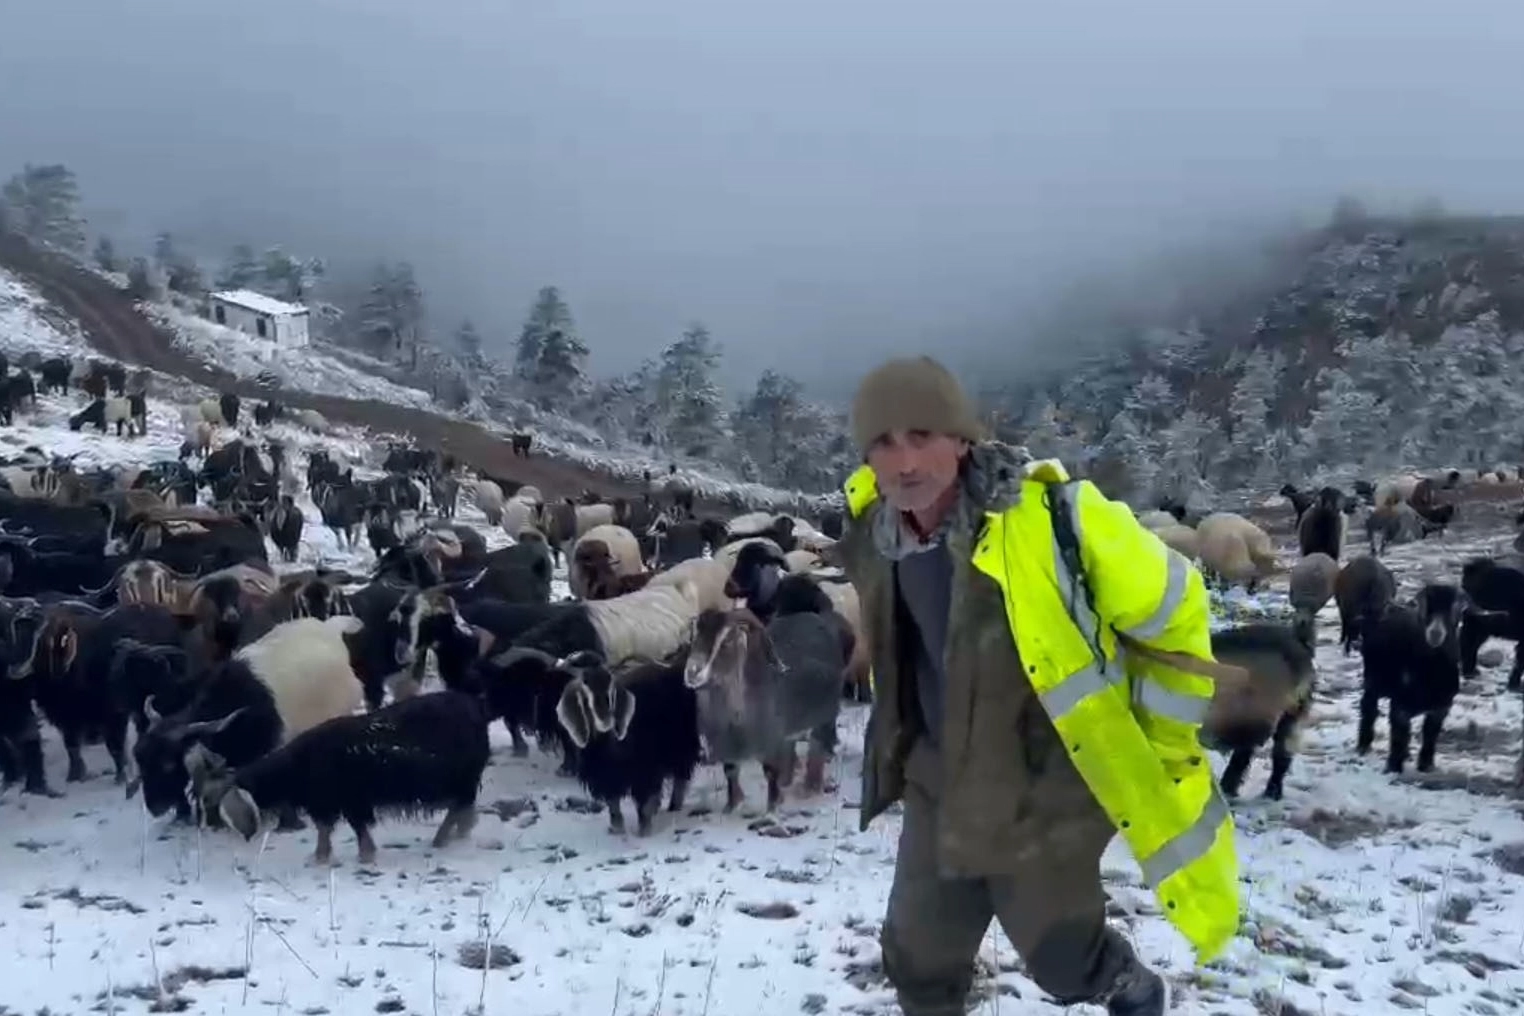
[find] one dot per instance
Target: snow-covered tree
(391, 316)
(42, 203)
(548, 315)
(105, 254)
(293, 279)
(243, 269)
(1249, 409)
(139, 280)
(692, 403)
(468, 346)
(765, 422)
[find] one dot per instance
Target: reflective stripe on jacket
(1128, 723)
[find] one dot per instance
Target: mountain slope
(111, 322)
(1369, 344)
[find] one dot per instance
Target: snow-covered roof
(258, 302)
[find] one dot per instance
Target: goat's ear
(573, 713)
(624, 711)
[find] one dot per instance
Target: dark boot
(1138, 992)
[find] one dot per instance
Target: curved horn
(149, 712)
(508, 656)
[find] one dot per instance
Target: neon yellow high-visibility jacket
(1127, 724)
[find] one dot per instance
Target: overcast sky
(845, 177)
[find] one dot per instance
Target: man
(1026, 709)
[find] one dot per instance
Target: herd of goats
(130, 599)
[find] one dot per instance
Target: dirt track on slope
(115, 327)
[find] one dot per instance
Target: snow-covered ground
(1363, 893)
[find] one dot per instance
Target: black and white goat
(292, 679)
(633, 731)
(1412, 659)
(129, 411)
(414, 756)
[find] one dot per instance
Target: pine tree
(242, 271)
(105, 254)
(139, 280)
(391, 316)
(692, 401)
(548, 315)
(42, 203)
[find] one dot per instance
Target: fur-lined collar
(990, 481)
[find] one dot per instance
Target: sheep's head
(598, 569)
(1440, 607)
(755, 574)
(593, 702)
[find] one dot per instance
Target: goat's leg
(77, 771)
(1401, 723)
(646, 808)
(1433, 722)
(1233, 773)
(616, 814)
(1516, 675)
(1370, 708)
(520, 744)
(290, 820)
(32, 769)
(367, 851)
(324, 852)
(679, 795)
(774, 788)
(1282, 743)
(116, 744)
(733, 793)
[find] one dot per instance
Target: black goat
(1362, 590)
(417, 755)
(69, 667)
(1496, 592)
(632, 732)
(1320, 528)
(286, 522)
(1412, 659)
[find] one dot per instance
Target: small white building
(264, 317)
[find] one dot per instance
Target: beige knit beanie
(916, 393)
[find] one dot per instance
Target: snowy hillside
(343, 373)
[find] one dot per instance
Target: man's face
(915, 468)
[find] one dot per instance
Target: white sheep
(530, 493)
(619, 551)
(706, 577)
(1235, 549)
(305, 664)
(311, 419)
(210, 410)
(1157, 519)
(651, 623)
(1489, 479)
(590, 515)
(802, 561)
(520, 513)
(1180, 538)
(1396, 489)
(751, 522)
(489, 498)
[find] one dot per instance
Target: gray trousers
(1055, 916)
